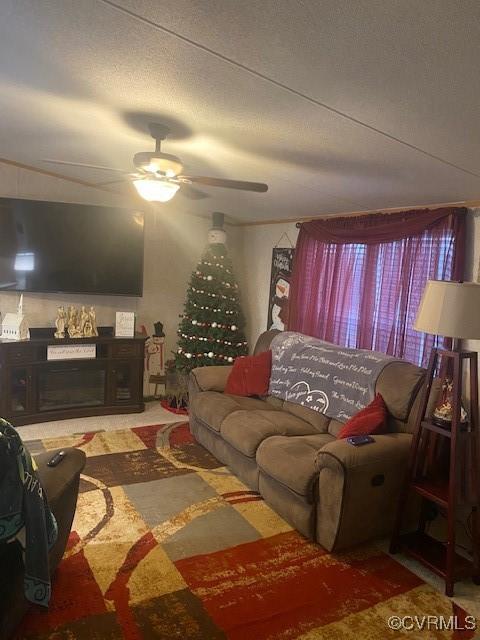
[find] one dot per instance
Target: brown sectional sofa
(331, 491)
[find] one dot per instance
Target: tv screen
(54, 247)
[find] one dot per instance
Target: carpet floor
(168, 544)
(154, 414)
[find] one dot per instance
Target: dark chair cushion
(61, 487)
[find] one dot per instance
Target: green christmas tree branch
(211, 330)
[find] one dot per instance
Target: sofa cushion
(212, 407)
(398, 384)
(316, 419)
(246, 430)
(369, 421)
(276, 403)
(291, 461)
(334, 427)
(250, 375)
(264, 340)
(211, 378)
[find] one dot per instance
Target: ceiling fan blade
(128, 177)
(83, 165)
(104, 184)
(259, 187)
(191, 193)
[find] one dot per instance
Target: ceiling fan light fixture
(157, 162)
(155, 190)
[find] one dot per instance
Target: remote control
(359, 441)
(57, 458)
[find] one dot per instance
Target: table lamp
(449, 309)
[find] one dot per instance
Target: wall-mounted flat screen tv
(54, 247)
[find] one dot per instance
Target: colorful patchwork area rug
(167, 543)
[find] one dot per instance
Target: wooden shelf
(443, 431)
(435, 491)
(461, 439)
(427, 424)
(433, 554)
(73, 360)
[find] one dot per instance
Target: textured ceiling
(337, 105)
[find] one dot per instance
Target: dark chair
(61, 487)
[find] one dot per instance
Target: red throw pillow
(250, 375)
(368, 421)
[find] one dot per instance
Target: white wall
(473, 246)
(174, 241)
(472, 271)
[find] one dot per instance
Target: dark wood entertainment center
(34, 388)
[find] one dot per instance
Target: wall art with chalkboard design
(279, 298)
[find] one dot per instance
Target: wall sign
(124, 324)
(71, 351)
(278, 301)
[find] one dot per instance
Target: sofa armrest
(57, 480)
(61, 484)
(358, 489)
(212, 378)
(391, 448)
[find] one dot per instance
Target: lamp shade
(155, 189)
(450, 309)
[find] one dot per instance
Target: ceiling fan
(159, 175)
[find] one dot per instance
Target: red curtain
(357, 281)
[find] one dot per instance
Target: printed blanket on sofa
(336, 381)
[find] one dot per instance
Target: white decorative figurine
(84, 316)
(154, 365)
(60, 322)
(87, 329)
(217, 235)
(14, 325)
(76, 324)
(70, 320)
(93, 321)
(73, 329)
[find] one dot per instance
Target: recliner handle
(378, 480)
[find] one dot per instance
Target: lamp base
(447, 424)
(442, 422)
(443, 412)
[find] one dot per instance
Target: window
(366, 294)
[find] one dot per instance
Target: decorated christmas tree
(211, 328)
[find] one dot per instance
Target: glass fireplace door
(20, 396)
(68, 385)
(124, 382)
